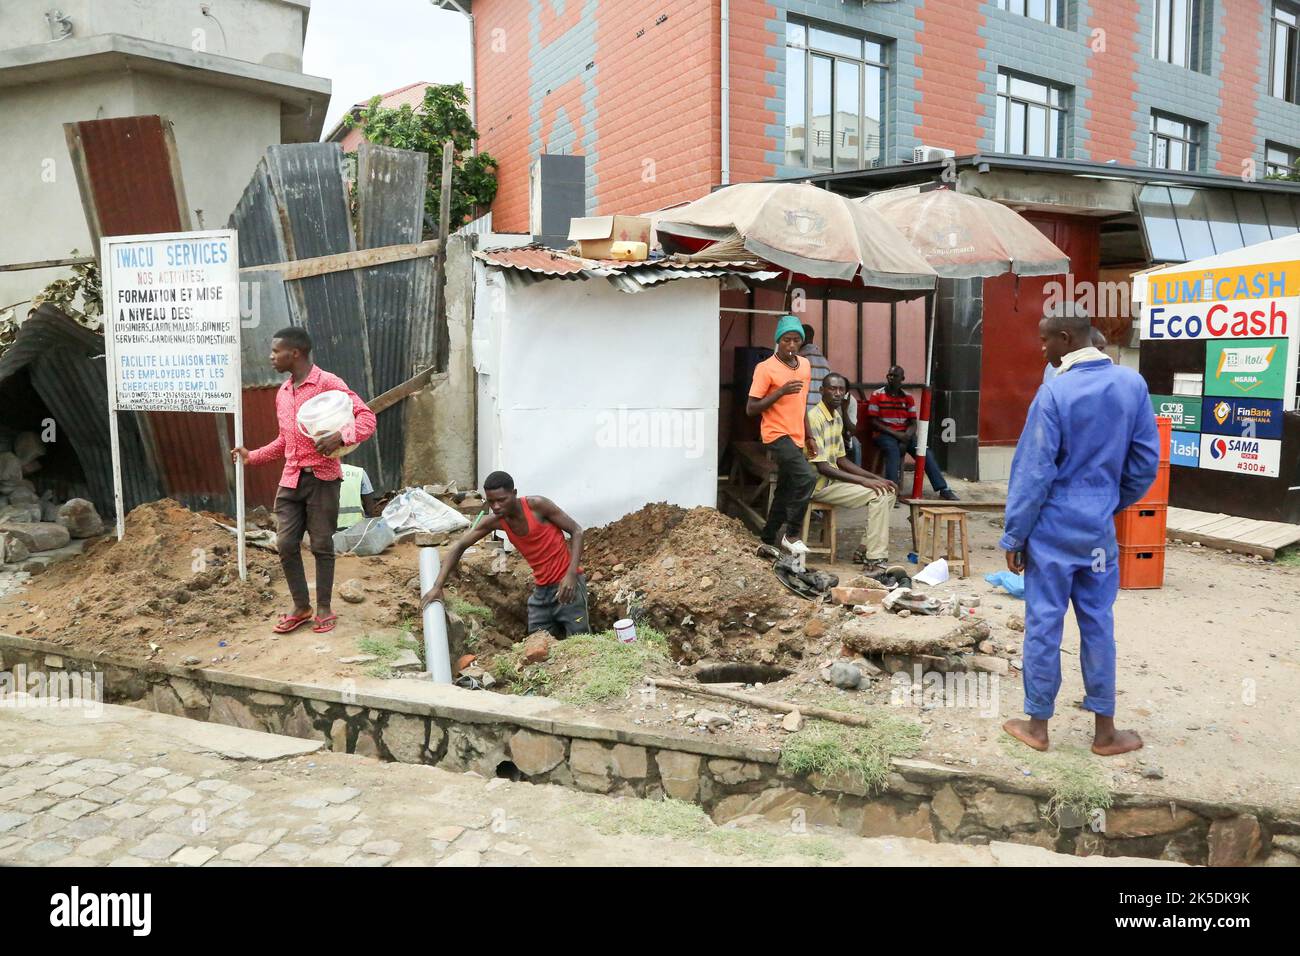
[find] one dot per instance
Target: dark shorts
(546, 613)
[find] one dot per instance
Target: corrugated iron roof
(536, 263)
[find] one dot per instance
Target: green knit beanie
(788, 323)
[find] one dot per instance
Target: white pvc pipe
(437, 656)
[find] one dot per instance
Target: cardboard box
(596, 235)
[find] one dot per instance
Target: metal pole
(239, 492)
(923, 422)
(110, 370)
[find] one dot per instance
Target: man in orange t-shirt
(779, 394)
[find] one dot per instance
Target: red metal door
(1011, 367)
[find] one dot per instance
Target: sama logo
(1218, 448)
(1222, 410)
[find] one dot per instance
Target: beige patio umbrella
(963, 237)
(966, 237)
(805, 230)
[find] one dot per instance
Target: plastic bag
(416, 510)
(1013, 583)
(325, 414)
(367, 537)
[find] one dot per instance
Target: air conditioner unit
(931, 154)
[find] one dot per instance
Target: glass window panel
(796, 90)
(1224, 229)
(820, 126)
(873, 114)
(1281, 216)
(1054, 133)
(835, 43)
(1193, 222)
(1158, 222)
(1161, 47)
(1178, 33)
(1002, 82)
(1280, 35)
(848, 84)
(1037, 133)
(1036, 9)
(1159, 152)
(1017, 138)
(875, 52)
(1028, 90)
(796, 33)
(1000, 127)
(1250, 215)
(1172, 127)
(1177, 155)
(1285, 15)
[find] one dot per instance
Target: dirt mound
(693, 575)
(173, 573)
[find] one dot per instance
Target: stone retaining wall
(544, 742)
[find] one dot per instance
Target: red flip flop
(291, 622)
(325, 624)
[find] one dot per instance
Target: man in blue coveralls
(1089, 448)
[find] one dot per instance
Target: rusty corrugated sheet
(64, 364)
(398, 296)
(129, 176)
(308, 187)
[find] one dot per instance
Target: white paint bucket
(625, 630)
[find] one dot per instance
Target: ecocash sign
(1220, 320)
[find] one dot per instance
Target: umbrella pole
(923, 421)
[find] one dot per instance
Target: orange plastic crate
(1141, 526)
(1141, 568)
(1165, 425)
(1158, 493)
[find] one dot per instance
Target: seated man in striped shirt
(842, 484)
(893, 422)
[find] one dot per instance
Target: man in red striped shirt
(893, 420)
(308, 497)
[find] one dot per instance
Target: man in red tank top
(536, 527)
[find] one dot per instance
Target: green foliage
(863, 753)
(442, 116)
(1076, 777)
(462, 608)
(386, 647)
(583, 669)
(1288, 558)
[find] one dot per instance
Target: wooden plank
(346, 261)
(1276, 537)
(1216, 527)
(1226, 544)
(1193, 520)
(46, 264)
(997, 504)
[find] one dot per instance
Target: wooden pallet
(1228, 533)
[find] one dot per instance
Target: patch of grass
(387, 647)
(463, 609)
(584, 669)
(680, 820)
(1076, 777)
(863, 753)
(1288, 557)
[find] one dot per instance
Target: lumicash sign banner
(171, 334)
(1248, 317)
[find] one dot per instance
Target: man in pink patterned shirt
(308, 498)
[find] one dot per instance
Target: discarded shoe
(949, 495)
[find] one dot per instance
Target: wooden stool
(826, 541)
(935, 520)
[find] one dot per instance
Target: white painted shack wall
(600, 400)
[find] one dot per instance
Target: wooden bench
(751, 482)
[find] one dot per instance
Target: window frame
(1293, 159)
(1055, 11)
(1195, 29)
(1003, 102)
(1291, 79)
(1193, 142)
(864, 63)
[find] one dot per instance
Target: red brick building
(1114, 125)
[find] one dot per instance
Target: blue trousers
(1050, 587)
(892, 449)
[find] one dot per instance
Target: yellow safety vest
(350, 511)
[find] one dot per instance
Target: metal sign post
(171, 337)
